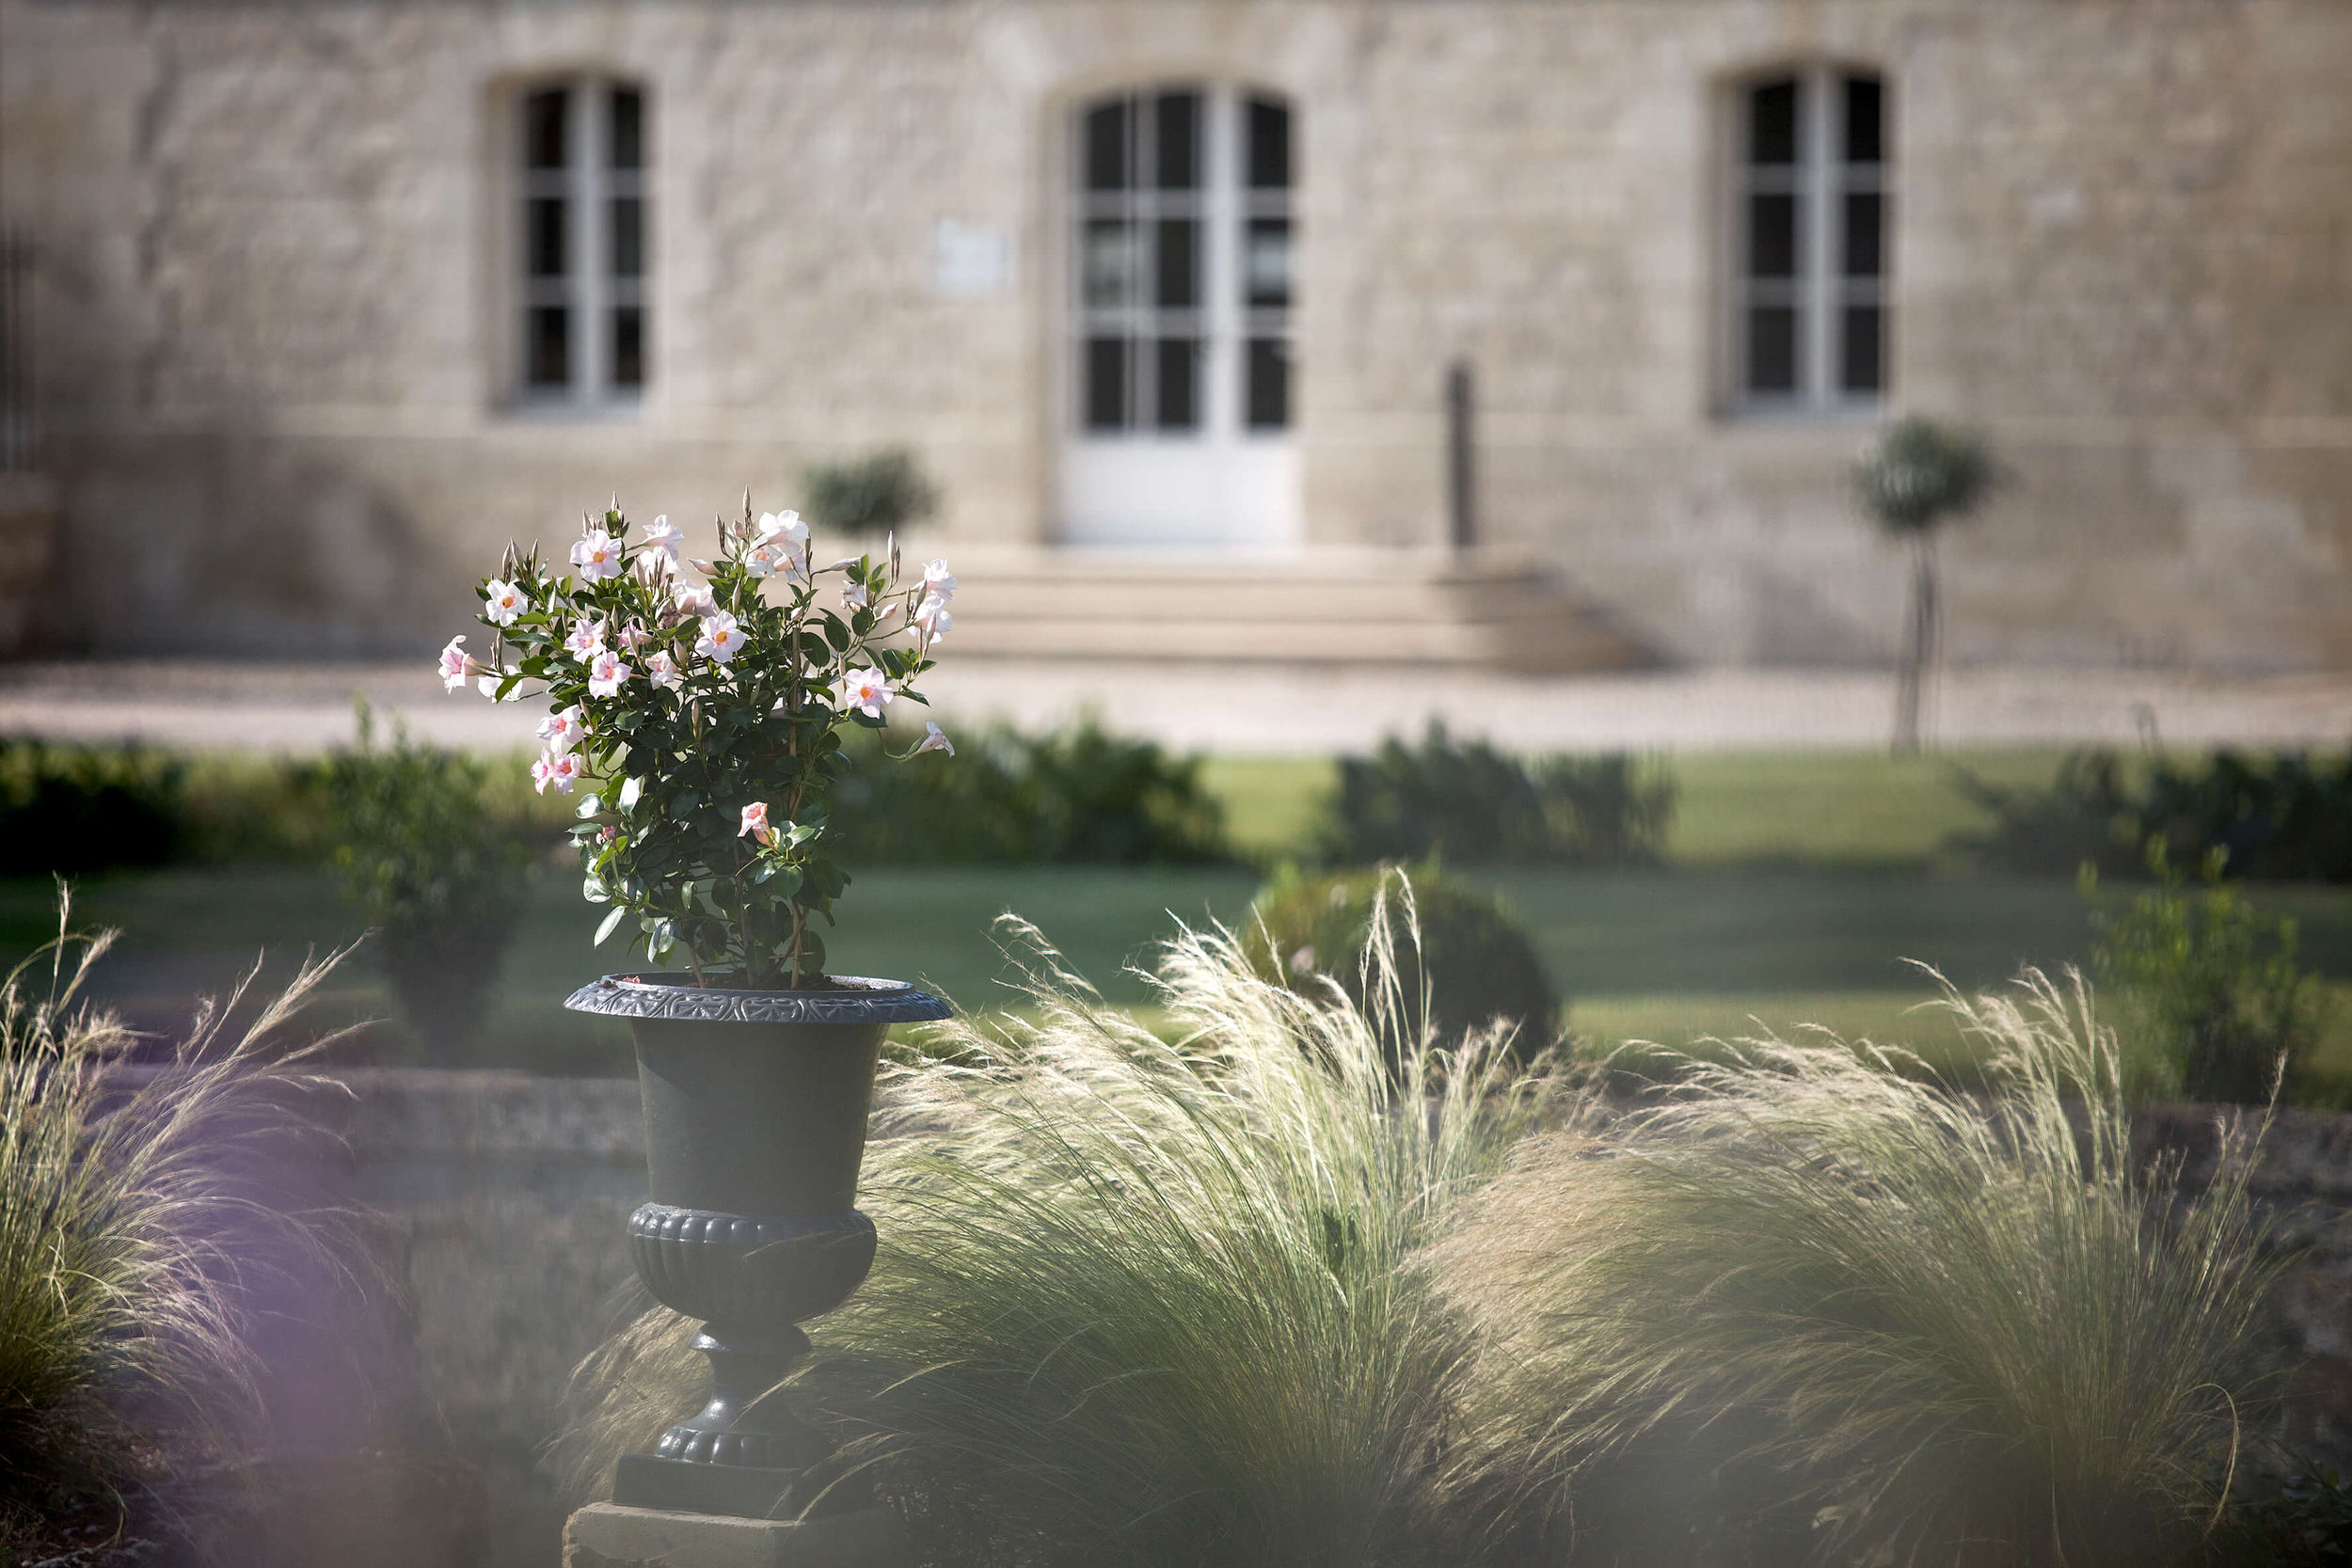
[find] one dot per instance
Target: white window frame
(590, 289)
(1821, 180)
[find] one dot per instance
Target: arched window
(1182, 288)
(582, 327)
(1810, 190)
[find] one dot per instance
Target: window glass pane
(1268, 396)
(1771, 348)
(1773, 123)
(1865, 120)
(1177, 385)
(1866, 228)
(1772, 235)
(628, 128)
(1269, 145)
(1109, 265)
(1265, 266)
(1176, 264)
(629, 237)
(1862, 349)
(1178, 153)
(547, 349)
(628, 345)
(1105, 141)
(545, 246)
(1103, 398)
(544, 141)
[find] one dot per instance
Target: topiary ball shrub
(1474, 957)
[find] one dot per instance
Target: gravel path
(1256, 709)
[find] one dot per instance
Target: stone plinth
(606, 1536)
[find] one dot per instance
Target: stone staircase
(1353, 606)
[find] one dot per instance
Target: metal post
(1461, 490)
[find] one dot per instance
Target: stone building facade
(321, 315)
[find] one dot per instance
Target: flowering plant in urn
(697, 705)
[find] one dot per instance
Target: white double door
(1178, 381)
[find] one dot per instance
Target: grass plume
(1957, 1329)
(134, 1215)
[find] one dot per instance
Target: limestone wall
(270, 300)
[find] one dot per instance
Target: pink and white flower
(934, 739)
(854, 594)
(756, 823)
(562, 771)
(564, 730)
(503, 601)
(585, 640)
(868, 691)
(779, 544)
(597, 557)
(458, 666)
(786, 526)
(605, 673)
(722, 639)
(931, 618)
(694, 598)
(663, 539)
(662, 671)
(938, 582)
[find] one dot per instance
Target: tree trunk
(1919, 648)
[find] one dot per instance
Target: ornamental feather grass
(136, 1222)
(1154, 1300)
(1956, 1330)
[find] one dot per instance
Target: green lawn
(1735, 808)
(1796, 887)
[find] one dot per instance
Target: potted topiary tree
(702, 722)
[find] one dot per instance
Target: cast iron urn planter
(755, 1107)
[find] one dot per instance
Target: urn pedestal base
(608, 1535)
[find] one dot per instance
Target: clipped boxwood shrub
(1473, 957)
(1078, 795)
(65, 810)
(1475, 805)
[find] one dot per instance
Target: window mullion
(1817, 261)
(596, 140)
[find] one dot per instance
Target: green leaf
(611, 924)
(630, 790)
(596, 891)
(589, 807)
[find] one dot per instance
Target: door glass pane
(628, 345)
(1772, 235)
(1109, 264)
(1267, 263)
(544, 140)
(1177, 385)
(1862, 350)
(1865, 227)
(1267, 394)
(1269, 154)
(1105, 147)
(1178, 135)
(629, 237)
(1103, 397)
(548, 351)
(1773, 123)
(628, 128)
(1176, 264)
(545, 246)
(1771, 348)
(1866, 113)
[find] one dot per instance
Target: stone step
(1339, 606)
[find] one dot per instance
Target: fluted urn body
(755, 1108)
